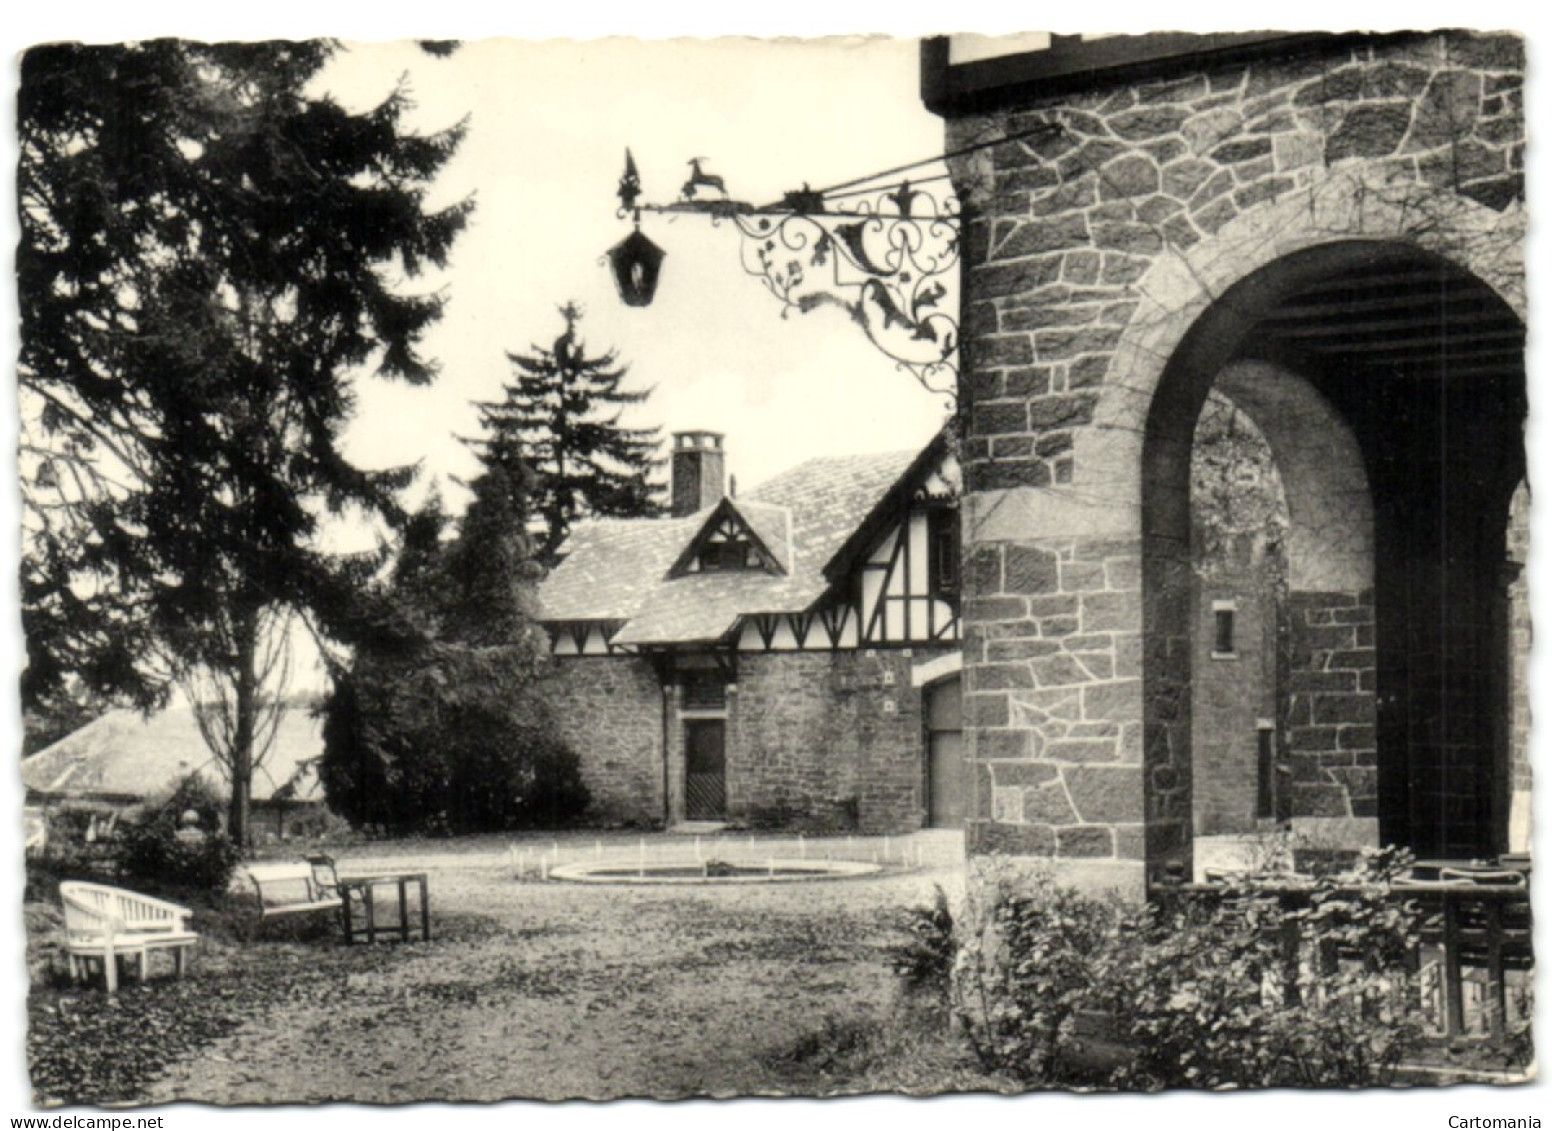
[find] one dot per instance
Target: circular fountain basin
(712, 872)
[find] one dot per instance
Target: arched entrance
(1394, 696)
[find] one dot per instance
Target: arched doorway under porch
(1394, 704)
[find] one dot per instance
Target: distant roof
(126, 755)
(617, 569)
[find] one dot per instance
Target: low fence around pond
(536, 860)
(1474, 962)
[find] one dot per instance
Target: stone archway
(1330, 512)
(1077, 697)
(1397, 715)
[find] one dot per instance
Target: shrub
(440, 726)
(151, 853)
(1246, 990)
(441, 745)
(1029, 959)
(76, 844)
(924, 959)
(1243, 987)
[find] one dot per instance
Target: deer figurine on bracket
(699, 179)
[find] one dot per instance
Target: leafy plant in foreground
(923, 959)
(1249, 985)
(1029, 958)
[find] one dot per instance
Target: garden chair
(295, 887)
(104, 924)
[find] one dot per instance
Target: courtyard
(1211, 592)
(528, 987)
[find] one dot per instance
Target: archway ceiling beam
(1390, 321)
(1404, 326)
(1418, 364)
(1455, 372)
(1427, 354)
(1421, 347)
(1430, 308)
(1456, 298)
(1423, 367)
(1388, 278)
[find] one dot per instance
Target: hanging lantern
(635, 261)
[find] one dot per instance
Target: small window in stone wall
(704, 691)
(1266, 770)
(1223, 630)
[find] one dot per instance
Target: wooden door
(948, 775)
(705, 776)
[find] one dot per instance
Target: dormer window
(726, 550)
(731, 541)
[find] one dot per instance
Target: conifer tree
(210, 252)
(438, 725)
(560, 417)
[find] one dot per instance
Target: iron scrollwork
(890, 261)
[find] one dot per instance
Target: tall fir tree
(560, 417)
(208, 257)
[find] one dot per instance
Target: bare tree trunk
(239, 698)
(246, 709)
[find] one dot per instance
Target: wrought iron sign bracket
(887, 255)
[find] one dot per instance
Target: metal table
(363, 887)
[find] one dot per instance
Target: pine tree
(560, 417)
(208, 255)
(440, 725)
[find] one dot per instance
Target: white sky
(549, 125)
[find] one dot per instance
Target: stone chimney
(698, 471)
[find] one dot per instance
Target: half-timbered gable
(900, 568)
(755, 658)
(844, 552)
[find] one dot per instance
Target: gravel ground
(555, 991)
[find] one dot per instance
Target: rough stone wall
(610, 710)
(1231, 694)
(1068, 223)
(813, 742)
(1330, 708)
(1053, 699)
(810, 742)
(1060, 230)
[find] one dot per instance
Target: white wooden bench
(104, 924)
(295, 887)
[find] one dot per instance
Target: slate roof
(772, 525)
(124, 755)
(617, 569)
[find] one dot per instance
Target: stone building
(1327, 231)
(786, 658)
